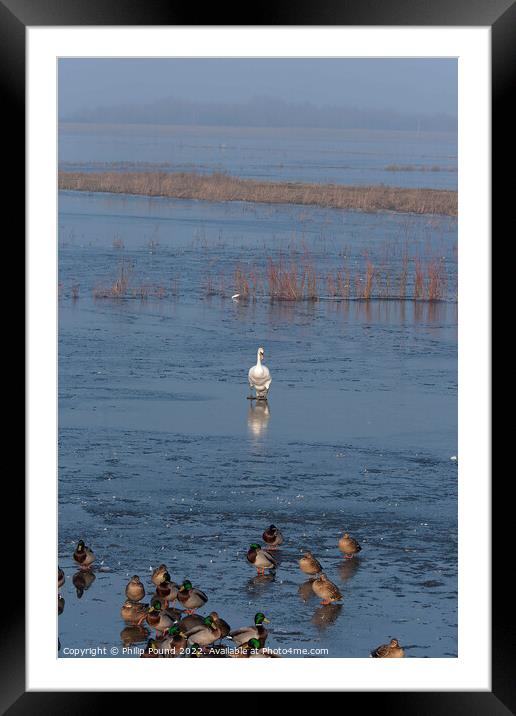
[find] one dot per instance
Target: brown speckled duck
(135, 591)
(309, 565)
(392, 650)
(157, 575)
(221, 624)
(272, 537)
(133, 612)
(327, 591)
(349, 546)
(260, 559)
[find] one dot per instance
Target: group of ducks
(182, 632)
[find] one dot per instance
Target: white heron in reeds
(259, 378)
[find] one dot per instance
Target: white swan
(259, 377)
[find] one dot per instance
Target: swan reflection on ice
(257, 418)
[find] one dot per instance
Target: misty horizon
(346, 93)
(262, 112)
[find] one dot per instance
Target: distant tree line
(262, 112)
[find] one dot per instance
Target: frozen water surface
(162, 458)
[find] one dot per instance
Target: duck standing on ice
(259, 378)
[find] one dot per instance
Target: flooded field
(356, 157)
(162, 458)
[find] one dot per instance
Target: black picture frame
(500, 16)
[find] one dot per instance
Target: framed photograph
(258, 375)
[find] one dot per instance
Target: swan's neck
(258, 359)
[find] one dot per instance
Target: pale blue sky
(426, 86)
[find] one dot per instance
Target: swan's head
(261, 353)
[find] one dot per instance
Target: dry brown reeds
(223, 187)
(123, 287)
(296, 279)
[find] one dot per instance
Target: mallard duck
(82, 580)
(273, 537)
(349, 546)
(158, 618)
(260, 559)
(83, 555)
(157, 575)
(259, 377)
(256, 651)
(326, 590)
(167, 590)
(222, 625)
(204, 634)
(190, 621)
(133, 612)
(190, 597)
(309, 565)
(257, 631)
(135, 591)
(174, 643)
(392, 650)
(60, 577)
(193, 620)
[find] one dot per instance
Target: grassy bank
(222, 187)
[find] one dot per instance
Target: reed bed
(295, 279)
(221, 187)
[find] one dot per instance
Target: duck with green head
(204, 634)
(190, 597)
(260, 559)
(257, 631)
(83, 555)
(157, 618)
(254, 650)
(175, 642)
